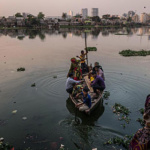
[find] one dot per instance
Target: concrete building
(136, 18)
(70, 13)
(95, 12)
(84, 13)
(144, 18)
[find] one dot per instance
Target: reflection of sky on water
(47, 53)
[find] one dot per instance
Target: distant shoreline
(72, 26)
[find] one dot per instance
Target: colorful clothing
(141, 140)
(82, 57)
(77, 89)
(87, 100)
(76, 69)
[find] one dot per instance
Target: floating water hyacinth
(91, 49)
(21, 69)
(106, 94)
(129, 52)
(141, 111)
(33, 85)
(55, 76)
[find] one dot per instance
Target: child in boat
(86, 98)
(83, 64)
(76, 89)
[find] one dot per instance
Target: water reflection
(85, 119)
(95, 32)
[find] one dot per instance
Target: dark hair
(85, 89)
(70, 74)
(93, 72)
(82, 51)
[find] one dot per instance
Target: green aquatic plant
(120, 109)
(55, 76)
(21, 69)
(125, 141)
(129, 52)
(141, 111)
(33, 85)
(141, 121)
(5, 146)
(106, 94)
(91, 49)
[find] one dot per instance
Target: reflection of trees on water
(94, 32)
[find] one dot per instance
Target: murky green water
(50, 114)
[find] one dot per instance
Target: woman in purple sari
(141, 140)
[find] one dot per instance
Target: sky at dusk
(56, 7)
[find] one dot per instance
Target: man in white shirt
(69, 83)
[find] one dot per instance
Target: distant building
(84, 13)
(144, 18)
(95, 12)
(70, 13)
(25, 15)
(136, 18)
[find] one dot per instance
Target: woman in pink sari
(141, 140)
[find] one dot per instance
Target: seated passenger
(69, 83)
(76, 89)
(86, 104)
(98, 84)
(99, 72)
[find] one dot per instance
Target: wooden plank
(87, 80)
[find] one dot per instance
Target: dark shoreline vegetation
(128, 53)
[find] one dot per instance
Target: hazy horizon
(57, 7)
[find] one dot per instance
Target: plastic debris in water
(14, 111)
(55, 76)
(94, 149)
(24, 118)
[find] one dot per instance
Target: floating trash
(24, 118)
(14, 111)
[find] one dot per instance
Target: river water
(48, 113)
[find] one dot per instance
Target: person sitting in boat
(86, 98)
(76, 89)
(69, 83)
(98, 84)
(76, 69)
(96, 64)
(83, 64)
(141, 140)
(99, 72)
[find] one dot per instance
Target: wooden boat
(95, 101)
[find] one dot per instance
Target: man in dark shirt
(86, 104)
(98, 84)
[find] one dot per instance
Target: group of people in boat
(141, 139)
(74, 83)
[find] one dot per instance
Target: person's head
(82, 52)
(96, 64)
(85, 90)
(94, 74)
(71, 75)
